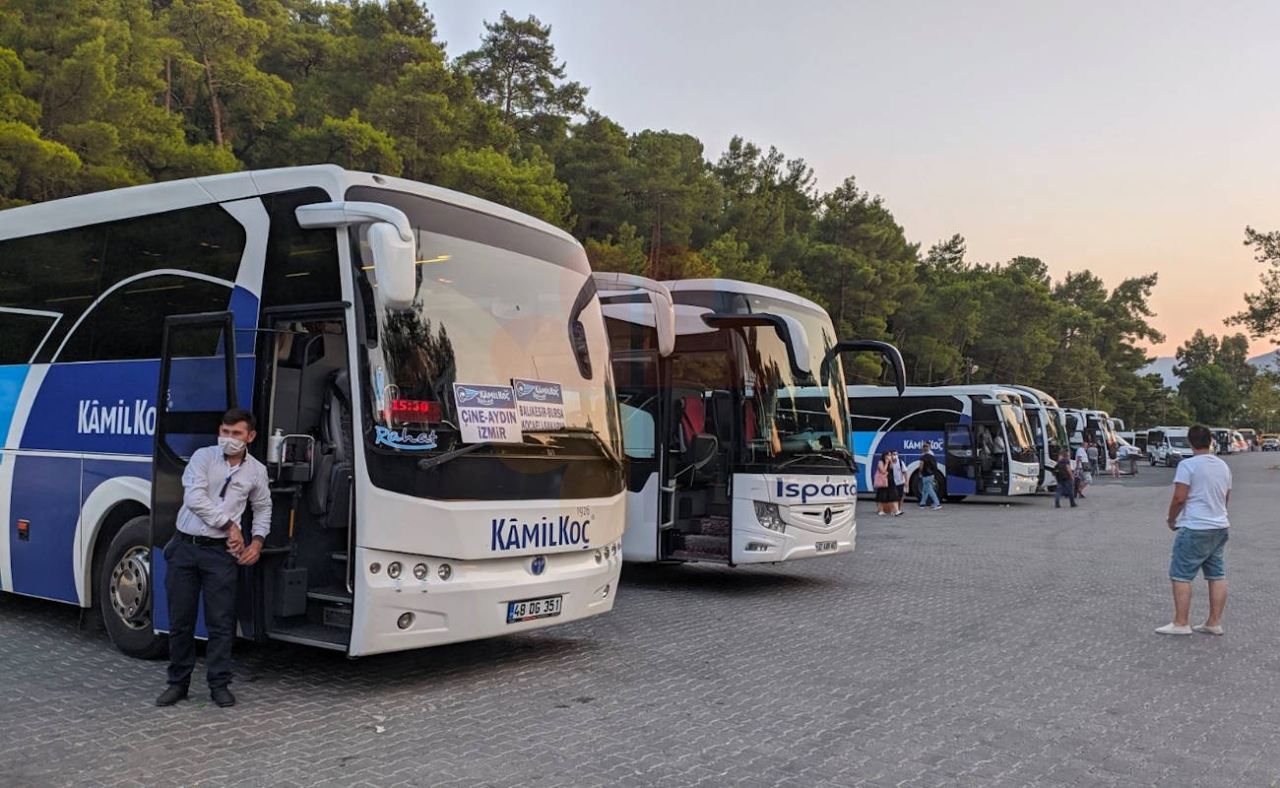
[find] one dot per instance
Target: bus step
(695, 546)
(330, 594)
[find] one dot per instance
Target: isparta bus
(978, 434)
(1048, 430)
(734, 421)
(431, 377)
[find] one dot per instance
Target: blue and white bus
(431, 376)
(978, 434)
(734, 421)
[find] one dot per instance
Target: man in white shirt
(203, 558)
(1198, 515)
(1083, 475)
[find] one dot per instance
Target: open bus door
(963, 472)
(197, 386)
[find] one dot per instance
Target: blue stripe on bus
(11, 380)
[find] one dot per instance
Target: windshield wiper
(440, 459)
(846, 458)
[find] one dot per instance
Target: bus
(979, 435)
(1097, 427)
(733, 420)
(1048, 430)
(430, 373)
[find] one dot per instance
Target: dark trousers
(190, 570)
(1067, 489)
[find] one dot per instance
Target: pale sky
(1120, 137)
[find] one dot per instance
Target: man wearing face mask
(204, 556)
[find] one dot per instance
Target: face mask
(230, 446)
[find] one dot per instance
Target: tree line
(99, 94)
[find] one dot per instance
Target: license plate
(825, 547)
(531, 609)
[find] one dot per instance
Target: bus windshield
(1179, 442)
(1058, 437)
(1021, 445)
(496, 303)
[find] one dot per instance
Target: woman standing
(898, 472)
(881, 480)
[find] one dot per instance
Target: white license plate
(531, 609)
(825, 547)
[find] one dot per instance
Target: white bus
(733, 419)
(1097, 427)
(978, 434)
(1048, 429)
(431, 376)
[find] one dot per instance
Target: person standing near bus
(203, 558)
(1091, 451)
(1066, 476)
(928, 478)
(882, 483)
(1084, 476)
(1198, 515)
(898, 476)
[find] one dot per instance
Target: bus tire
(126, 592)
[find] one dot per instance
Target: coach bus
(431, 377)
(1097, 427)
(979, 435)
(733, 420)
(1048, 427)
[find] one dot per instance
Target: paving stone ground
(982, 645)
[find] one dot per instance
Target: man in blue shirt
(203, 558)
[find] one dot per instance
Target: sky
(1123, 138)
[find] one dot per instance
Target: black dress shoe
(223, 697)
(172, 695)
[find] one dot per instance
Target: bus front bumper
(395, 614)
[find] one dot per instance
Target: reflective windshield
(1058, 439)
(1179, 442)
(504, 346)
(1020, 444)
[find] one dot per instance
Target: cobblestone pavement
(982, 645)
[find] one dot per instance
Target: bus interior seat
(330, 491)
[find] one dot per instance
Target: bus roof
(745, 288)
(918, 391)
(98, 207)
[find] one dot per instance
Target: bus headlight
(445, 571)
(420, 571)
(393, 570)
(769, 516)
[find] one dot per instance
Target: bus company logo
(538, 391)
(486, 397)
(405, 440)
(809, 490)
(118, 419)
(918, 444)
(512, 533)
(538, 565)
(826, 516)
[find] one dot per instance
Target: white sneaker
(1171, 629)
(939, 506)
(1205, 629)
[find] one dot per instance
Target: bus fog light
(375, 568)
(393, 570)
(599, 558)
(756, 547)
(420, 571)
(445, 571)
(406, 619)
(604, 592)
(769, 516)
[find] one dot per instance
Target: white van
(1167, 446)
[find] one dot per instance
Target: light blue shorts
(1195, 550)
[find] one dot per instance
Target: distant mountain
(1164, 366)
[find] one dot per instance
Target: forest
(100, 94)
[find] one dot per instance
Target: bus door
(197, 386)
(305, 407)
(961, 461)
(645, 404)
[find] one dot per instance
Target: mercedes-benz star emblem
(826, 516)
(539, 565)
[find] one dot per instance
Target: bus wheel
(126, 592)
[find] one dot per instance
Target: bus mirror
(885, 349)
(391, 242)
(394, 266)
(789, 330)
(612, 283)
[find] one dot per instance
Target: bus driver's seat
(330, 494)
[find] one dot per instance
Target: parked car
(1270, 442)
